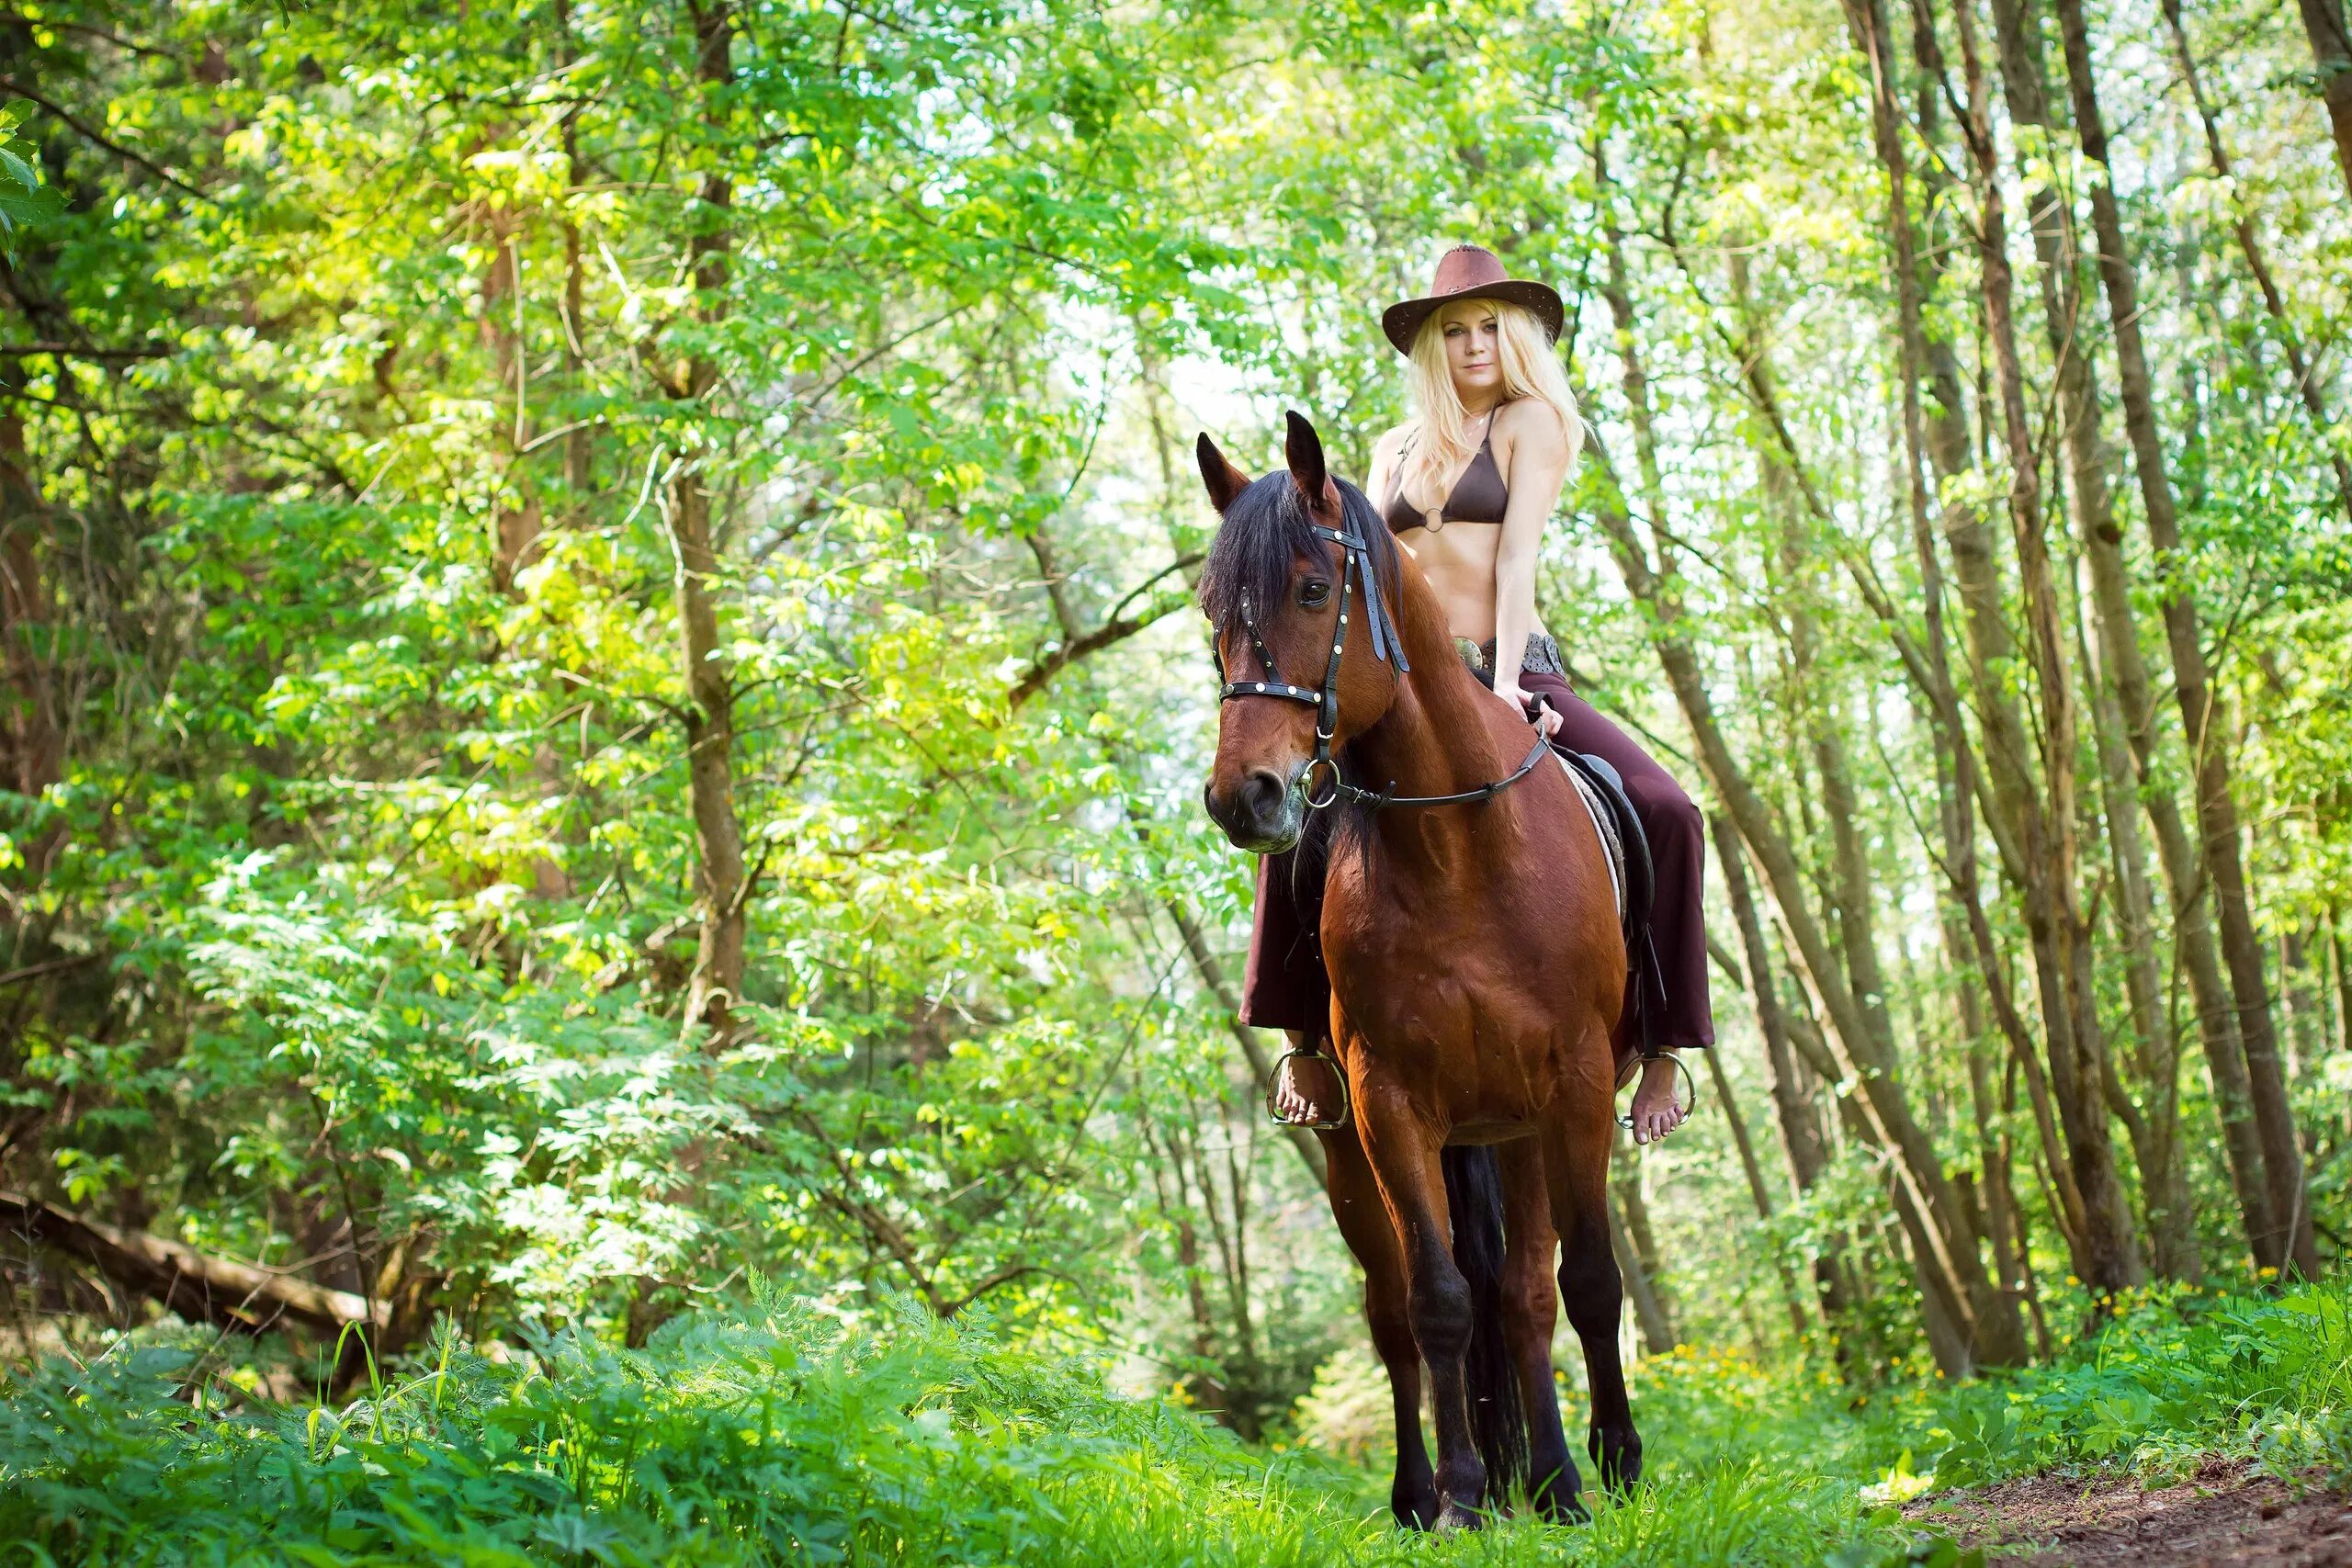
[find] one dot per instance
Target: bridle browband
(1387, 647)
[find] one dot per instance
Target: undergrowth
(2175, 1379)
(786, 1438)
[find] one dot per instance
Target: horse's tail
(1474, 1198)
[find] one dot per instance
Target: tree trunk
(1800, 1132)
(1758, 1192)
(2154, 1127)
(516, 522)
(2061, 943)
(1261, 1067)
(1948, 1253)
(1625, 1175)
(2191, 931)
(721, 885)
(2308, 386)
(1634, 1263)
(2217, 811)
(1941, 1241)
(2332, 70)
(31, 733)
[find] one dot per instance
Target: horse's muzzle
(1261, 813)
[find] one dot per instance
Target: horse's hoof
(1414, 1512)
(1562, 1505)
(1617, 1452)
(1454, 1516)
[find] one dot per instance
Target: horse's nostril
(1262, 792)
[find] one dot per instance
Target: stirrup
(1690, 1106)
(1274, 1079)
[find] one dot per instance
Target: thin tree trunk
(722, 887)
(1625, 1178)
(1261, 1067)
(2331, 41)
(577, 455)
(1756, 1191)
(1926, 1201)
(1649, 1312)
(2061, 943)
(2192, 932)
(30, 731)
(1800, 1132)
(2217, 810)
(2343, 962)
(2308, 386)
(515, 523)
(1943, 433)
(2155, 1127)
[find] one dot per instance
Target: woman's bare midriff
(1459, 562)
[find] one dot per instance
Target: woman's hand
(1545, 717)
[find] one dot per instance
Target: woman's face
(1472, 348)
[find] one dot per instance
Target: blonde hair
(1437, 443)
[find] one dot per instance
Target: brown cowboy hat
(1472, 272)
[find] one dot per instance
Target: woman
(1466, 486)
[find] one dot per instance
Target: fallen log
(197, 1285)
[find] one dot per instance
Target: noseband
(1387, 647)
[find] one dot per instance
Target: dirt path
(2227, 1515)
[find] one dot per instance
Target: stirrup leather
(1274, 1079)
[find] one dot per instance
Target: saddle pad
(1604, 822)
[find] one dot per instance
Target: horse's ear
(1304, 449)
(1225, 481)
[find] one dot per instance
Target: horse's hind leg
(1364, 1224)
(1575, 1159)
(1529, 1309)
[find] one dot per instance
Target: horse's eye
(1312, 592)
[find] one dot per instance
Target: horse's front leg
(1529, 1308)
(1365, 1226)
(1403, 1150)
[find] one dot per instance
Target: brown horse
(1477, 975)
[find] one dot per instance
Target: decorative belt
(1542, 658)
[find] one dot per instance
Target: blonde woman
(1466, 486)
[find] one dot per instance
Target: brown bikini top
(1480, 495)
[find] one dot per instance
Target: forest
(609, 946)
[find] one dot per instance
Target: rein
(1326, 701)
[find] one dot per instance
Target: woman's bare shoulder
(1534, 424)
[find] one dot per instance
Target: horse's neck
(1438, 738)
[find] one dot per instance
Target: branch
(71, 351)
(195, 1284)
(117, 148)
(1093, 642)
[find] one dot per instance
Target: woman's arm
(1538, 466)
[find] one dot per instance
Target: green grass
(785, 1439)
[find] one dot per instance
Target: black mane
(1265, 531)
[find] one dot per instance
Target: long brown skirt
(1285, 986)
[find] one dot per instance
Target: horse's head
(1274, 590)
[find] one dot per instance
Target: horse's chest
(1437, 980)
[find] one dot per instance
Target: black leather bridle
(1389, 649)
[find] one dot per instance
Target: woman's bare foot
(1656, 1112)
(1308, 1091)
